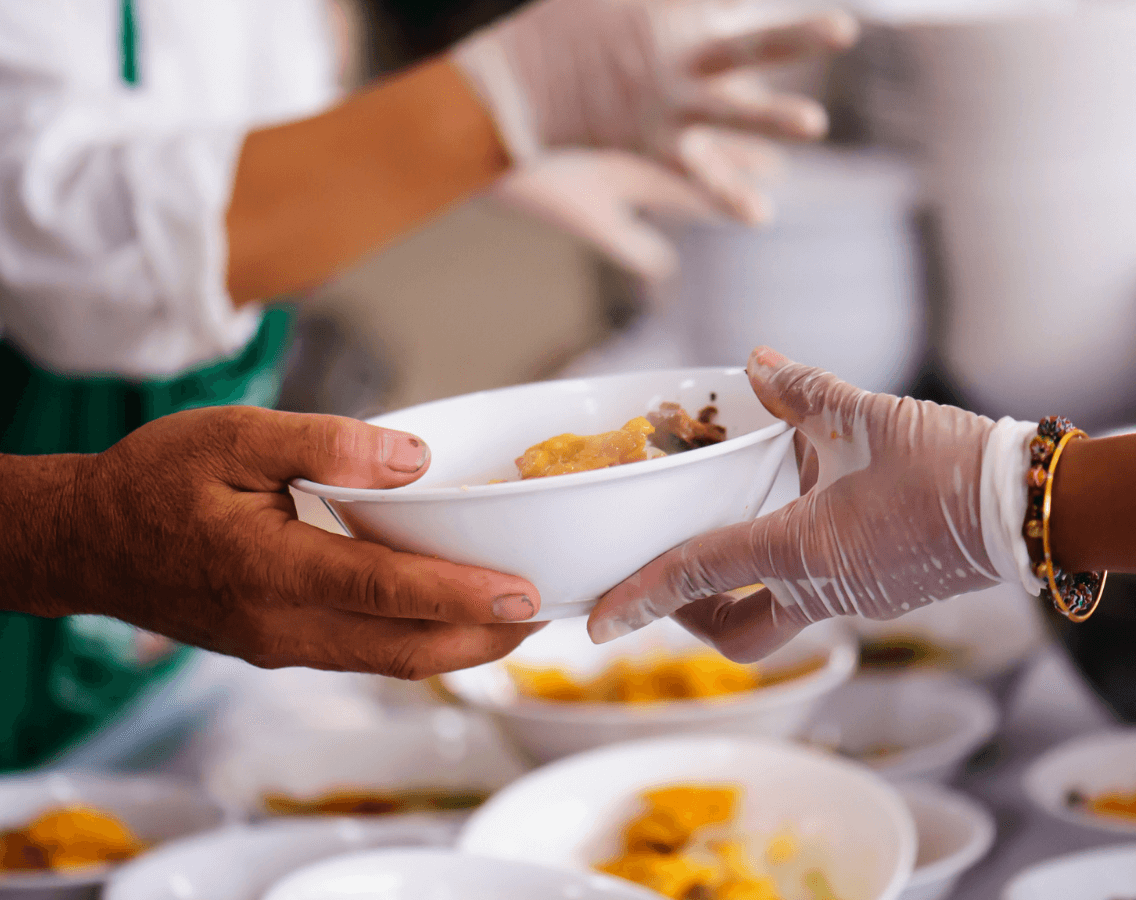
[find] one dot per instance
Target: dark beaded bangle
(1074, 595)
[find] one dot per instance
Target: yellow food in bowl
(655, 677)
(685, 845)
(68, 838)
(568, 453)
(1118, 804)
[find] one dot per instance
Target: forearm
(311, 196)
(39, 505)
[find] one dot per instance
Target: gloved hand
(912, 502)
(676, 80)
(599, 196)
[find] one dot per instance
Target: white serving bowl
(574, 536)
(954, 833)
(441, 749)
(906, 726)
(548, 730)
(155, 809)
(446, 875)
(1104, 874)
(570, 813)
(242, 862)
(1088, 765)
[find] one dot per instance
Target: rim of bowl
(979, 821)
(1034, 780)
(841, 663)
(693, 746)
(559, 482)
(1039, 869)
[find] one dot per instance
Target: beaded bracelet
(1074, 595)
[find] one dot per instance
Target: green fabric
(129, 44)
(60, 679)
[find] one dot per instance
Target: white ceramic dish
(242, 862)
(1087, 765)
(155, 809)
(441, 749)
(548, 730)
(954, 833)
(570, 813)
(906, 726)
(446, 875)
(574, 536)
(1104, 874)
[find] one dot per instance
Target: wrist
(1004, 501)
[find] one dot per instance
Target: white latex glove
(912, 502)
(600, 196)
(677, 80)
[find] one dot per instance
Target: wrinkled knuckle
(408, 662)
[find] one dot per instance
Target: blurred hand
(186, 528)
(679, 81)
(910, 502)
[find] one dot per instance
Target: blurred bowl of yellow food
(578, 534)
(712, 817)
(66, 831)
(558, 693)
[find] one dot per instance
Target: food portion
(655, 677)
(66, 838)
(370, 803)
(670, 429)
(1116, 804)
(686, 845)
(907, 651)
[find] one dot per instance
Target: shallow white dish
(1105, 874)
(155, 809)
(910, 725)
(574, 536)
(1088, 765)
(446, 875)
(430, 748)
(241, 862)
(570, 813)
(548, 730)
(954, 833)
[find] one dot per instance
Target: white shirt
(112, 197)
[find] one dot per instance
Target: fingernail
(404, 452)
(609, 629)
(763, 362)
(513, 607)
(812, 120)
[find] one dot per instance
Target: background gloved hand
(908, 502)
(675, 80)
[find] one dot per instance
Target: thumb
(272, 448)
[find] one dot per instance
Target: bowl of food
(558, 693)
(1108, 873)
(708, 817)
(906, 726)
(67, 831)
(575, 535)
(1089, 781)
(954, 833)
(241, 862)
(443, 874)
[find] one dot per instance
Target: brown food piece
(359, 803)
(675, 430)
(19, 854)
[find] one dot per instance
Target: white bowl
(954, 833)
(906, 726)
(442, 749)
(548, 730)
(242, 862)
(445, 875)
(570, 813)
(1104, 874)
(574, 536)
(1089, 765)
(155, 809)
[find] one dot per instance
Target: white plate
(954, 834)
(1108, 874)
(1088, 765)
(241, 862)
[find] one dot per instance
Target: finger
(742, 99)
(760, 43)
(268, 449)
(325, 569)
(746, 629)
(729, 166)
(343, 641)
(808, 465)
